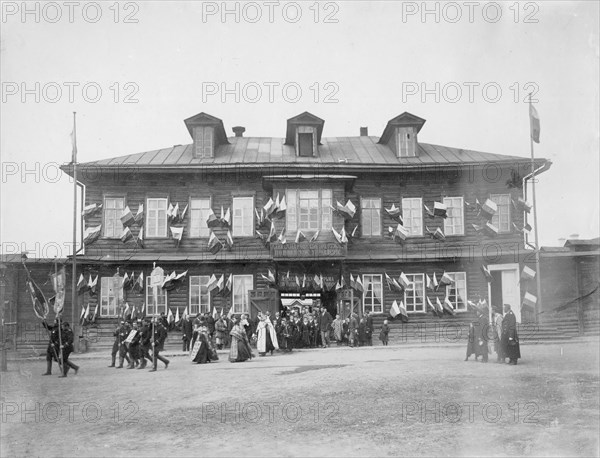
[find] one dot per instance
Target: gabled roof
(303, 119)
(336, 153)
(204, 119)
(403, 120)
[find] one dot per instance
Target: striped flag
(534, 123)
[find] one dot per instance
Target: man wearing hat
(158, 341)
(53, 350)
(124, 331)
(510, 339)
(145, 339)
(67, 338)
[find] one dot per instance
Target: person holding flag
(54, 345)
(158, 341)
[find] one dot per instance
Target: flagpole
(538, 304)
(74, 253)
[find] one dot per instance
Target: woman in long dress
(266, 337)
(240, 346)
(200, 354)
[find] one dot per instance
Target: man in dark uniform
(510, 339)
(53, 350)
(324, 324)
(134, 346)
(145, 343)
(369, 328)
(123, 333)
(116, 344)
(67, 338)
(187, 330)
(158, 341)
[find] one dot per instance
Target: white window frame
(203, 141)
(162, 305)
(411, 213)
(459, 283)
(324, 217)
(243, 224)
(370, 216)
(369, 305)
(454, 224)
(417, 304)
(110, 304)
(502, 213)
(198, 217)
(241, 304)
(155, 214)
(112, 214)
(199, 283)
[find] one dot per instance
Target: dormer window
(203, 141)
(400, 134)
(407, 142)
(306, 142)
(304, 133)
(208, 134)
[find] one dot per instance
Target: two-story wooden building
(358, 222)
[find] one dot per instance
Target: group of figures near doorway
(503, 332)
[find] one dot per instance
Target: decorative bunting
(127, 218)
(91, 234)
(90, 209)
(139, 216)
(527, 274)
(214, 244)
(126, 235)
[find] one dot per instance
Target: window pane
(243, 216)
(412, 214)
(371, 217)
(113, 208)
(502, 217)
(199, 210)
(454, 223)
(156, 218)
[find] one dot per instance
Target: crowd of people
(140, 342)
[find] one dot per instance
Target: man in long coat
(510, 338)
(324, 322)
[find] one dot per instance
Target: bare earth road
(393, 401)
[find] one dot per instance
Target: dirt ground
(384, 401)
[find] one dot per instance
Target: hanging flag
(404, 281)
(317, 282)
(230, 313)
(395, 309)
(138, 286)
(177, 318)
(393, 211)
(488, 208)
(58, 284)
(92, 284)
(40, 305)
(281, 238)
(262, 237)
(140, 238)
(440, 209)
(90, 209)
(534, 123)
(314, 237)
(269, 207)
(81, 284)
(347, 211)
(352, 282)
(478, 227)
(212, 283)
(169, 282)
(300, 237)
(400, 233)
(126, 311)
(183, 213)
(428, 283)
(446, 279)
(179, 278)
(175, 212)
(437, 234)
(170, 211)
(282, 208)
(82, 314)
(522, 205)
(126, 281)
(403, 312)
(127, 218)
(170, 317)
(214, 244)
(272, 234)
(126, 235)
(343, 236)
(428, 211)
(133, 313)
(212, 220)
(139, 216)
(433, 308)
(527, 274)
(491, 229)
(487, 273)
(448, 307)
(228, 284)
(359, 284)
(91, 234)
(435, 282)
(176, 233)
(215, 314)
(185, 314)
(529, 299)
(86, 317)
(226, 219)
(270, 278)
(439, 306)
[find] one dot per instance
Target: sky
(133, 71)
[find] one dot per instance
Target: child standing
(383, 334)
